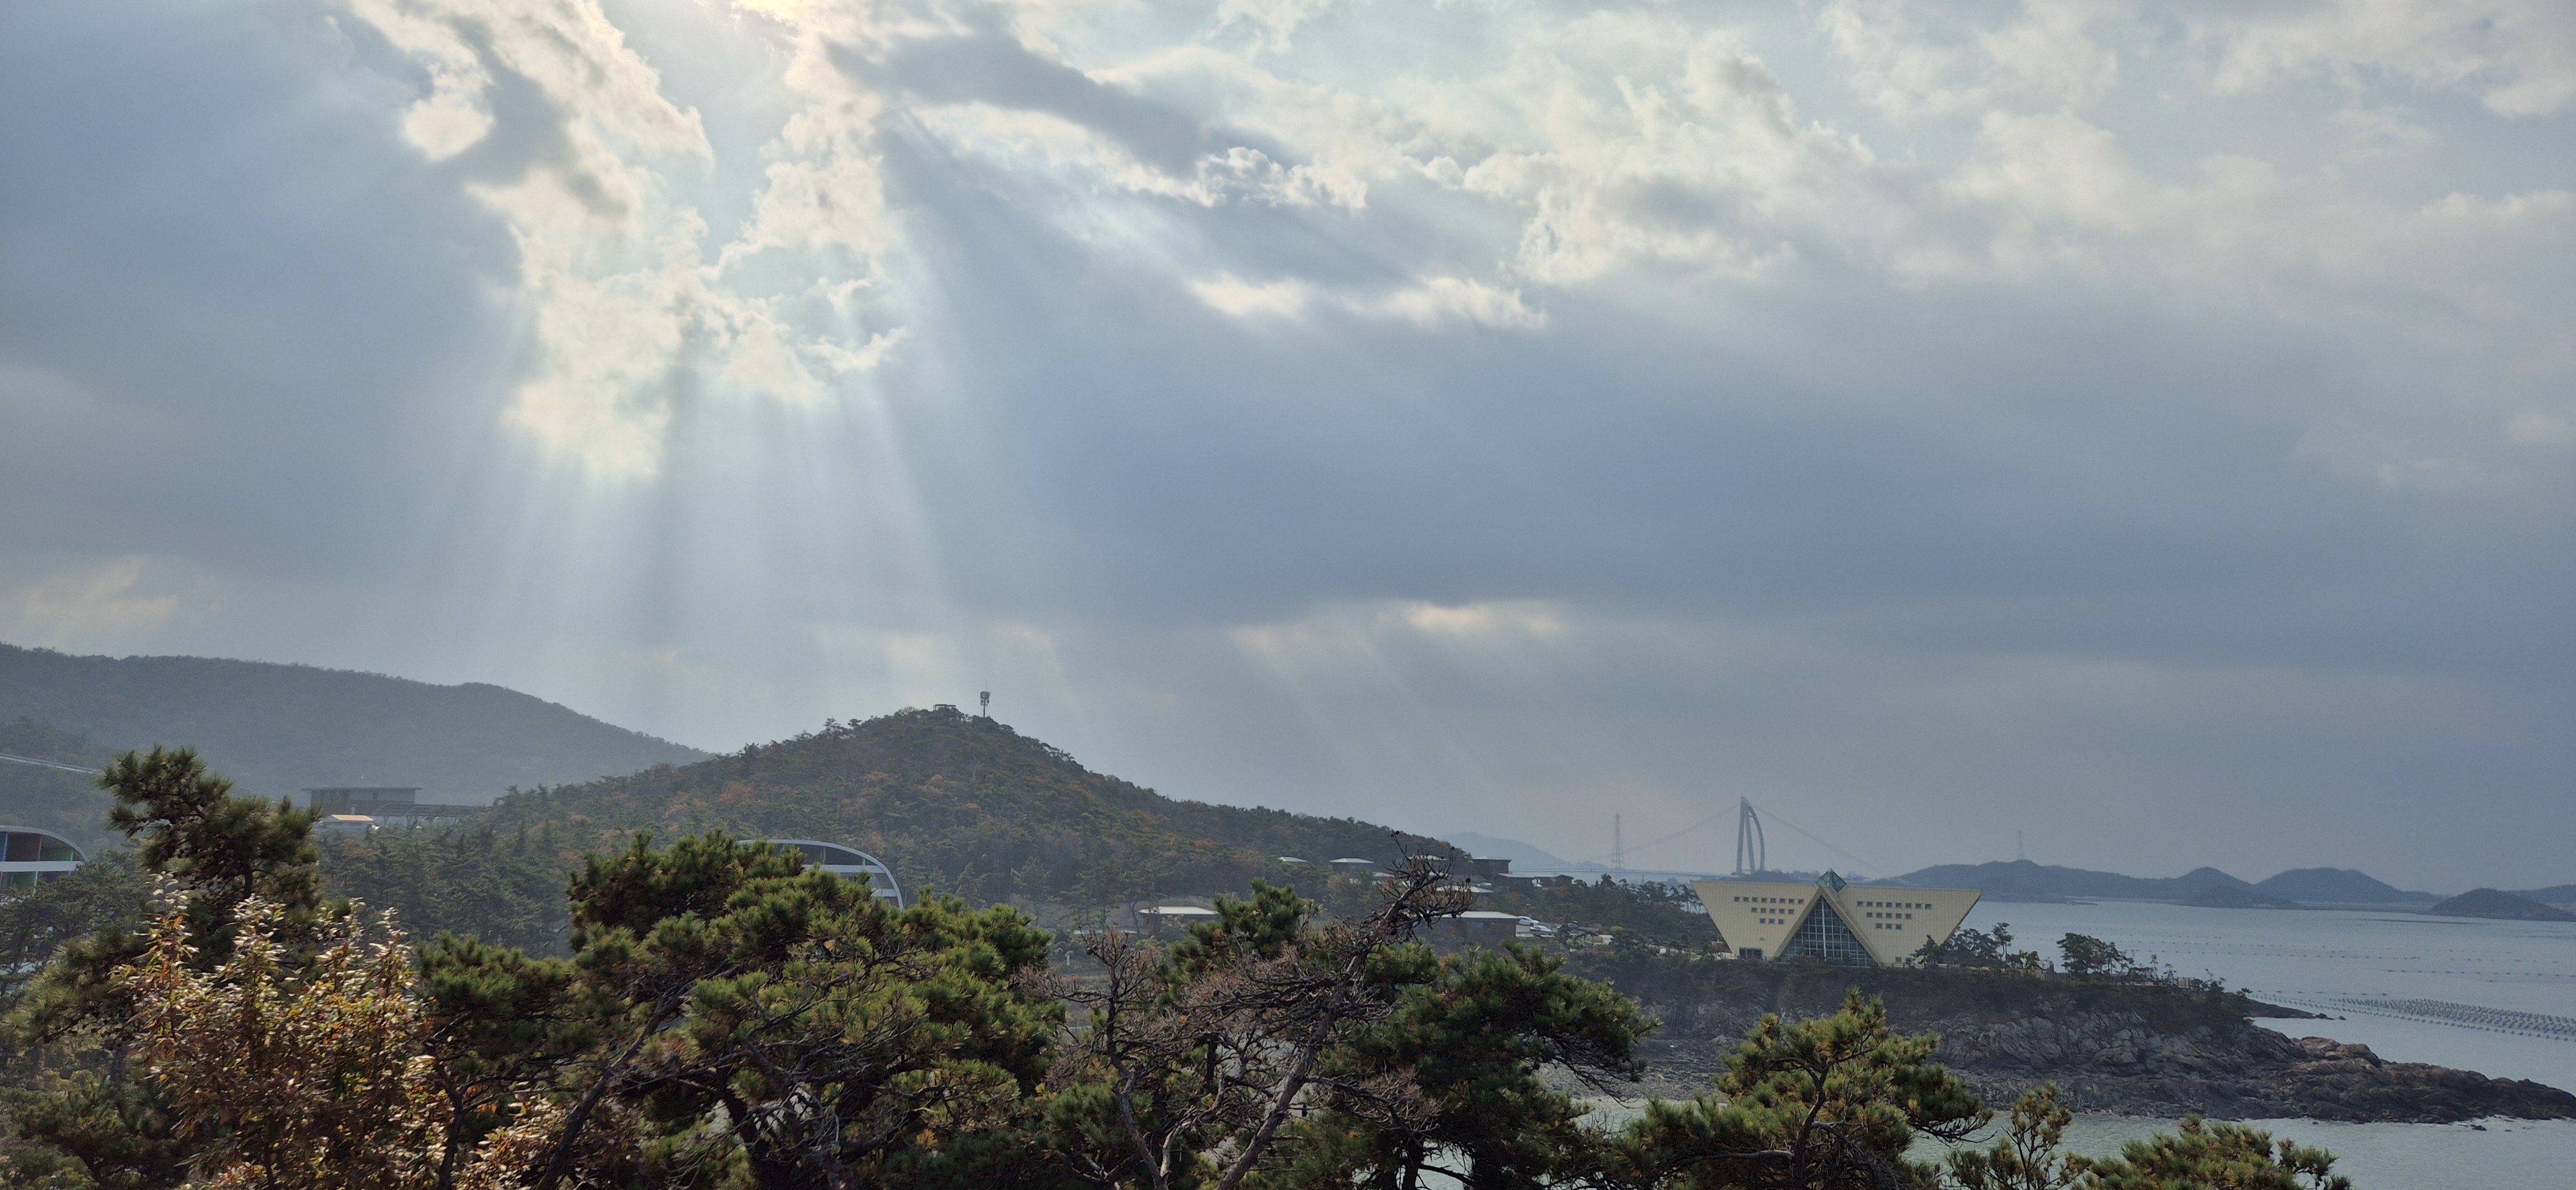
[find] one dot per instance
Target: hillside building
(29, 857)
(1852, 925)
(1173, 920)
(1476, 927)
(344, 825)
(380, 806)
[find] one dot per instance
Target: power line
(1659, 840)
(48, 764)
(1774, 816)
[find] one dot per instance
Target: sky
(2145, 431)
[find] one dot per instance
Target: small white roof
(1350, 859)
(1490, 914)
(1182, 911)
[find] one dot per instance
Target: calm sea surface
(2491, 996)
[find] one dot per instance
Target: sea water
(2378, 971)
(2484, 1155)
(2479, 995)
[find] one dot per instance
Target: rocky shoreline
(2134, 1049)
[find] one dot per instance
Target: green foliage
(1195, 1066)
(506, 889)
(2025, 1157)
(2088, 957)
(784, 1024)
(1979, 948)
(723, 1016)
(1821, 1105)
(503, 1029)
(1448, 1081)
(110, 893)
(2201, 1156)
(217, 850)
(92, 1127)
(1274, 919)
(2216, 1155)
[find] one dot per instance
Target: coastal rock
(2338, 1081)
(2228, 1074)
(2135, 1049)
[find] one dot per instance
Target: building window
(1823, 935)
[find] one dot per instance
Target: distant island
(2221, 897)
(2023, 880)
(2207, 888)
(2504, 906)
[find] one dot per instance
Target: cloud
(563, 132)
(1430, 304)
(2534, 428)
(1915, 59)
(106, 602)
(2518, 57)
(1923, 412)
(1555, 157)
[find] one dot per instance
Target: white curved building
(29, 857)
(850, 862)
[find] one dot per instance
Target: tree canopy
(722, 1015)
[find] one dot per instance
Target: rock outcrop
(2140, 1049)
(2116, 1062)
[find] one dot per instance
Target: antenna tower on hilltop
(986, 698)
(1751, 853)
(1618, 845)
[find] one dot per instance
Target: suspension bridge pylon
(1751, 855)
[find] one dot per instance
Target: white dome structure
(29, 857)
(850, 862)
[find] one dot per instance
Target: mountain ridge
(278, 728)
(2339, 885)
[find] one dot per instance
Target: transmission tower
(986, 698)
(1618, 845)
(1751, 855)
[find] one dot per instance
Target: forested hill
(2022, 879)
(279, 728)
(965, 804)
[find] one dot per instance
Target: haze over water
(2320, 956)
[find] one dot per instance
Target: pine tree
(216, 851)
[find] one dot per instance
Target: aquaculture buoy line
(2447, 1012)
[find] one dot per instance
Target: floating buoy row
(2448, 1012)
